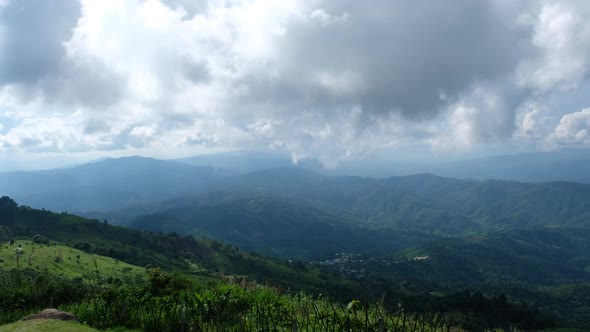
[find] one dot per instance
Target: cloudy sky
(333, 80)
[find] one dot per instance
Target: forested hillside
(431, 203)
(278, 227)
(198, 262)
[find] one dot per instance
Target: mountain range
(419, 237)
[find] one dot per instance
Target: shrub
(37, 238)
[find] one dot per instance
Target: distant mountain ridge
(513, 169)
(420, 202)
(560, 165)
(431, 203)
(104, 185)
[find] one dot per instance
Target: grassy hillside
(65, 261)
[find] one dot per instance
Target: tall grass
(229, 307)
(168, 302)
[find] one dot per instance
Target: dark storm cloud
(398, 56)
(32, 35)
(33, 55)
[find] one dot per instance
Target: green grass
(45, 325)
(66, 261)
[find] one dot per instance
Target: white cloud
(562, 36)
(573, 129)
(331, 80)
(346, 83)
(322, 17)
(533, 123)
(530, 123)
(482, 116)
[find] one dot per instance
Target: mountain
(277, 227)
(105, 185)
(430, 203)
(566, 165)
(297, 214)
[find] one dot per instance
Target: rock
(52, 314)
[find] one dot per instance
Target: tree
(38, 238)
(5, 233)
(8, 208)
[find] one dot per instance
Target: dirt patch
(52, 314)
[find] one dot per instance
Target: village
(356, 266)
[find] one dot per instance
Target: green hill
(278, 227)
(65, 261)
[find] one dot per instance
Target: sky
(328, 80)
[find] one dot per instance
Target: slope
(198, 257)
(65, 261)
(277, 227)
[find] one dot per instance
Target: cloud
(573, 130)
(32, 33)
(313, 78)
(192, 7)
(562, 35)
(484, 115)
(532, 123)
(387, 58)
(36, 63)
